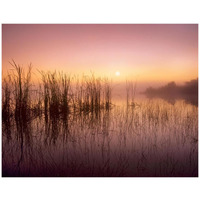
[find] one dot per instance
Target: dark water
(153, 139)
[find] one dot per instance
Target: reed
(91, 94)
(21, 83)
(130, 94)
(6, 98)
(54, 94)
(65, 90)
(63, 94)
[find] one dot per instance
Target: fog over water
(170, 92)
(100, 100)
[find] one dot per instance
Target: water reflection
(153, 139)
(172, 92)
(192, 99)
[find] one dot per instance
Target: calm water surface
(152, 138)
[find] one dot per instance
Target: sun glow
(117, 73)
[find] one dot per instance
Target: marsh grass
(131, 94)
(21, 81)
(6, 98)
(151, 141)
(63, 94)
(76, 131)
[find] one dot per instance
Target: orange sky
(150, 53)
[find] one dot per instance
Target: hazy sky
(146, 52)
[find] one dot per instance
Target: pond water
(153, 138)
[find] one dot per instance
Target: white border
(104, 11)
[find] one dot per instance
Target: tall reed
(6, 98)
(58, 94)
(130, 93)
(22, 84)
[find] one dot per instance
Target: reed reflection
(76, 130)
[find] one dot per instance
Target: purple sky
(148, 52)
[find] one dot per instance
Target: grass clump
(21, 81)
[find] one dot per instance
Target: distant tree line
(189, 88)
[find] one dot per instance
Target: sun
(117, 73)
